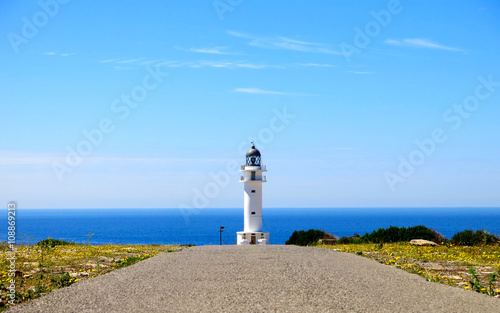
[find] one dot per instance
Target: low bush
(471, 238)
(63, 280)
(352, 239)
(397, 234)
(304, 238)
(53, 242)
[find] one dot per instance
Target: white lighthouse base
(248, 238)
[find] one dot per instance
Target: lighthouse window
(253, 191)
(253, 175)
(253, 213)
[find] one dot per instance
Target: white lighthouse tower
(252, 212)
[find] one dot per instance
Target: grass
(42, 269)
(475, 268)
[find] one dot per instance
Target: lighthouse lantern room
(252, 200)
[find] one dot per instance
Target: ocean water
(171, 226)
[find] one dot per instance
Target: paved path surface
(260, 279)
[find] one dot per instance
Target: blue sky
(352, 104)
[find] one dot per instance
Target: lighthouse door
(253, 239)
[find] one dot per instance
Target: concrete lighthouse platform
(249, 238)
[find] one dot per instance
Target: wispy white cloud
(229, 64)
(35, 158)
(221, 64)
(255, 66)
(148, 62)
(214, 50)
(260, 91)
(420, 43)
(8, 158)
(315, 65)
(129, 61)
(59, 54)
(122, 68)
(357, 72)
(123, 60)
(170, 63)
(189, 64)
(214, 64)
(285, 43)
(109, 60)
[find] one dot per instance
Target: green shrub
(344, 240)
(352, 239)
(52, 242)
(62, 281)
(397, 234)
(129, 261)
(471, 238)
(304, 238)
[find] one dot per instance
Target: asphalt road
(260, 279)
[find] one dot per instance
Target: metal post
(220, 232)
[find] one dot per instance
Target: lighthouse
(252, 200)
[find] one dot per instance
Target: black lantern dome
(253, 156)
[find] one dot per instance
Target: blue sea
(200, 227)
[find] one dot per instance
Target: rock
(422, 242)
(327, 241)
